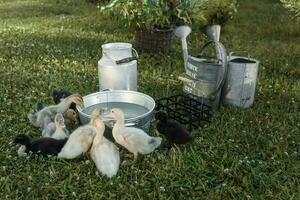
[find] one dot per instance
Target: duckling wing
(59, 134)
(42, 119)
(135, 135)
(137, 140)
(78, 143)
(49, 130)
(106, 157)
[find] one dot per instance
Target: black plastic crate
(186, 109)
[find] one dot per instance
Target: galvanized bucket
(205, 77)
(240, 83)
(142, 120)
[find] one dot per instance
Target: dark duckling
(59, 95)
(41, 146)
(174, 132)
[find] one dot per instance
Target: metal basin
(137, 107)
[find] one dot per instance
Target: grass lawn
(242, 154)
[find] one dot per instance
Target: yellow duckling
(61, 132)
(104, 153)
(135, 140)
(80, 140)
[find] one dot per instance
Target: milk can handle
(238, 53)
(135, 52)
(124, 60)
(129, 59)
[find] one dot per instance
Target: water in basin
(130, 110)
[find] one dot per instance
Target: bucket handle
(238, 53)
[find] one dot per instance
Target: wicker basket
(157, 40)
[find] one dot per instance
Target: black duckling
(41, 146)
(174, 132)
(59, 95)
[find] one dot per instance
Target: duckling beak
(108, 117)
(95, 115)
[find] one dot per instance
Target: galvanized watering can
(204, 76)
(240, 83)
(118, 67)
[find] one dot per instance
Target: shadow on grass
(72, 47)
(23, 9)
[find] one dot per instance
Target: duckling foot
(21, 151)
(128, 162)
(128, 155)
(135, 159)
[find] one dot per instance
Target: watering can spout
(182, 32)
(213, 32)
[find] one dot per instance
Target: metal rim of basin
(150, 99)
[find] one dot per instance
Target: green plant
(219, 11)
(293, 6)
(148, 14)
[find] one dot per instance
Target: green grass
(241, 154)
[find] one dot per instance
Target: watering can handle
(221, 55)
(204, 47)
(224, 63)
(237, 52)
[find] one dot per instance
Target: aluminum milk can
(117, 69)
(240, 83)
